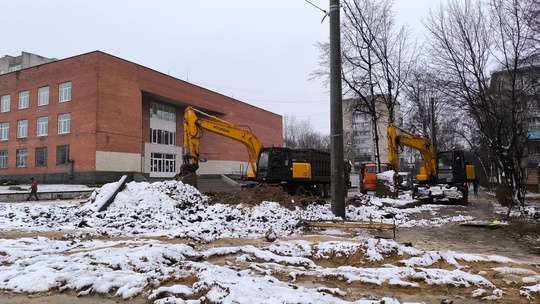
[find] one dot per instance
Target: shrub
(503, 193)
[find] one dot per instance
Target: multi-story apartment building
(526, 91)
(359, 131)
(25, 60)
(94, 117)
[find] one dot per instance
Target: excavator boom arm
(192, 134)
(416, 142)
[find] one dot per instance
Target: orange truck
(368, 176)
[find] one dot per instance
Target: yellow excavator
(193, 131)
(443, 174)
(297, 171)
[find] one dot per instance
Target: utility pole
(336, 114)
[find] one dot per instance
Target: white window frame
(43, 126)
(43, 96)
(22, 158)
(4, 131)
(162, 164)
(64, 123)
(22, 128)
(64, 92)
(6, 101)
(24, 99)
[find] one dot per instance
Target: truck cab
(368, 176)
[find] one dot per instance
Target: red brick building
(94, 117)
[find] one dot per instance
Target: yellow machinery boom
(428, 171)
(443, 174)
(193, 127)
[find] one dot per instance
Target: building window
(4, 131)
(65, 92)
(64, 122)
(162, 112)
(43, 96)
(3, 159)
(21, 158)
(161, 162)
(22, 128)
(163, 137)
(6, 100)
(41, 157)
(24, 99)
(62, 155)
(15, 68)
(43, 126)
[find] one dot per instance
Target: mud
(519, 240)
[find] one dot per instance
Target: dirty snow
(131, 258)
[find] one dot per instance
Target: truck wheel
(300, 191)
(328, 190)
(320, 191)
(362, 190)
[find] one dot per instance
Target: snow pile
(250, 274)
(139, 262)
(177, 210)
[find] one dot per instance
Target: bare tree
(375, 58)
(302, 135)
(467, 41)
(532, 18)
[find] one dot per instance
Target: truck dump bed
(319, 160)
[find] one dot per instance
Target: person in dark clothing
(33, 190)
(475, 186)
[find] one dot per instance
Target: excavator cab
(452, 168)
(274, 165)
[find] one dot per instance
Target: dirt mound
(261, 193)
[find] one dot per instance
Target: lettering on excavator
(225, 130)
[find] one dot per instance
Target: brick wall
(110, 113)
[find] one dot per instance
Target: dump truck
(298, 171)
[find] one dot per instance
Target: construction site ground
(518, 239)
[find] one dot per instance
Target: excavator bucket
(187, 175)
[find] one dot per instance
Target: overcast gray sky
(258, 51)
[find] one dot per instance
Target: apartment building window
(14, 68)
(6, 101)
(64, 122)
(4, 131)
(43, 126)
(24, 99)
(22, 128)
(62, 155)
(65, 92)
(43, 96)
(21, 158)
(3, 159)
(41, 157)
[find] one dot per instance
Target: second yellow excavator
(443, 174)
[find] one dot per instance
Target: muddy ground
(519, 240)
